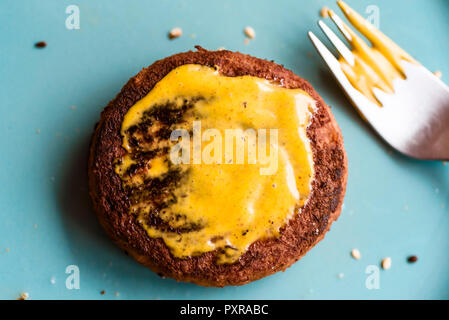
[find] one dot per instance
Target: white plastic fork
(414, 119)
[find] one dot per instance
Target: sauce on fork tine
(376, 66)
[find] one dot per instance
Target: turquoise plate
(52, 97)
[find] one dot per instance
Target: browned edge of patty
(264, 257)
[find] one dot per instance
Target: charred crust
(264, 257)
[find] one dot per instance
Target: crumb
(355, 253)
(221, 49)
(58, 134)
(246, 41)
(38, 131)
(23, 296)
(438, 74)
(444, 163)
(309, 54)
(116, 294)
(412, 259)
(386, 263)
(40, 44)
(341, 275)
(274, 185)
(73, 107)
(250, 33)
(324, 12)
(405, 208)
(193, 36)
(52, 280)
(175, 33)
(103, 292)
(52, 179)
(437, 190)
(35, 226)
(7, 250)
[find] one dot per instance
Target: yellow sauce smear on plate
(219, 205)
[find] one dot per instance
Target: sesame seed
(386, 263)
(324, 12)
(175, 33)
(250, 33)
(23, 296)
(355, 253)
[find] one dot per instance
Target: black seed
(40, 44)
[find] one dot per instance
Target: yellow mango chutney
(216, 205)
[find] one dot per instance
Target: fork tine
(341, 26)
(375, 36)
(368, 109)
(341, 47)
(380, 95)
(327, 56)
(359, 45)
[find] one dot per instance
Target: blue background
(394, 206)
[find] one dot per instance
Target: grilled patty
(112, 201)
